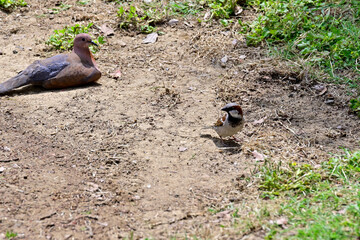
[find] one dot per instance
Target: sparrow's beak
(93, 43)
(224, 109)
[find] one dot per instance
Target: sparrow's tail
(20, 80)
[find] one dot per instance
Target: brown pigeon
(60, 71)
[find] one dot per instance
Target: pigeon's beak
(93, 43)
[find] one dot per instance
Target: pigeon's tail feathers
(15, 82)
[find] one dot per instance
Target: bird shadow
(33, 89)
(227, 144)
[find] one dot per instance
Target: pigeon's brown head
(83, 40)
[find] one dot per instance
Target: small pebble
(173, 22)
(182, 149)
(224, 59)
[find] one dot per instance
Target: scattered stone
(121, 43)
(238, 10)
(116, 74)
(329, 99)
(2, 169)
(15, 52)
(224, 59)
(182, 149)
(173, 22)
(320, 89)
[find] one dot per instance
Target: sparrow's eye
(83, 39)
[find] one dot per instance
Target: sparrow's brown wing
(220, 121)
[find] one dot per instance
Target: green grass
(300, 201)
(10, 235)
(62, 7)
(222, 9)
(276, 178)
(322, 35)
(8, 5)
(142, 18)
(331, 213)
(184, 8)
(83, 2)
(322, 203)
(355, 105)
(63, 39)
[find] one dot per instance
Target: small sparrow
(231, 123)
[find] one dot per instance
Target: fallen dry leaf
(106, 30)
(258, 156)
(323, 91)
(151, 38)
(116, 74)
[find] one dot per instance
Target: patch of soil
(130, 155)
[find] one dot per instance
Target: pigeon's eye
(83, 39)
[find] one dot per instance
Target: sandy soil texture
(129, 156)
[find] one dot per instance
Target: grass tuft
(324, 203)
(10, 235)
(9, 5)
(355, 105)
(144, 18)
(276, 178)
(323, 33)
(64, 39)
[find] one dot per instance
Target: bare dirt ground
(128, 157)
